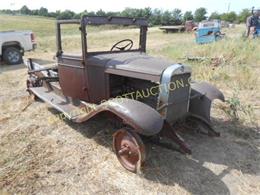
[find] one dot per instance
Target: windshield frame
(141, 23)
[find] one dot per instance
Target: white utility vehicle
(13, 44)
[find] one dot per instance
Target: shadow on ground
(169, 167)
(227, 152)
(7, 68)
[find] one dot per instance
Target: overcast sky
(118, 5)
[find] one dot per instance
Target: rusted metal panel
(129, 149)
(144, 119)
(142, 38)
(97, 20)
(60, 103)
(130, 64)
(170, 132)
(130, 61)
(71, 21)
(167, 29)
(72, 78)
(58, 39)
(72, 82)
(189, 25)
(202, 95)
(97, 84)
(145, 76)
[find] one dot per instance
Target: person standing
(252, 22)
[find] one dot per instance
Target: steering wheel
(122, 48)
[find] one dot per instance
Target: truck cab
(208, 32)
(148, 96)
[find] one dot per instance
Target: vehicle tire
(12, 56)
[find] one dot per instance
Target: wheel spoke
(124, 151)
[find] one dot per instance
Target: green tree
(147, 12)
(77, 16)
(91, 13)
(43, 11)
(25, 10)
(200, 14)
(166, 18)
(136, 13)
(156, 16)
(35, 12)
(176, 18)
(187, 16)
(243, 15)
(8, 11)
(52, 14)
(67, 14)
(229, 17)
(113, 13)
(215, 15)
(100, 13)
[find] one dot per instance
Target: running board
(62, 104)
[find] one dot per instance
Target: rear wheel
(129, 149)
(29, 85)
(31, 82)
(12, 56)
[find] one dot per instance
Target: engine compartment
(136, 89)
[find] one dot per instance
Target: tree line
(154, 16)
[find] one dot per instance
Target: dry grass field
(37, 157)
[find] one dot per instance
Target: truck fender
(143, 118)
(202, 95)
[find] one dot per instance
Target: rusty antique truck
(149, 98)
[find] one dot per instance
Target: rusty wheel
(29, 84)
(129, 149)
